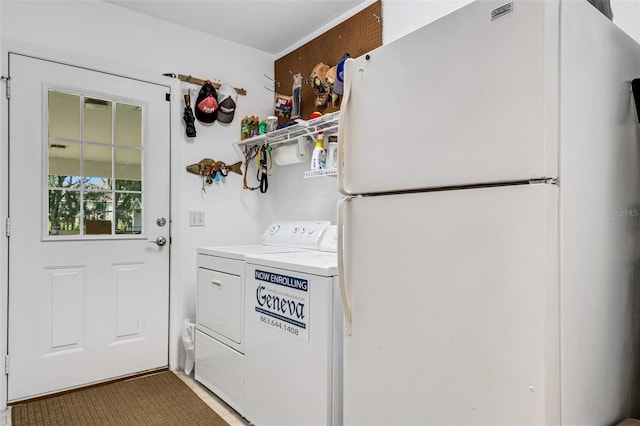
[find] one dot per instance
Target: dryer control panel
(302, 234)
(329, 240)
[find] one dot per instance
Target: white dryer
(219, 341)
(293, 337)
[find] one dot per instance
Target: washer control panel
(303, 234)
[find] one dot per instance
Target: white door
(454, 307)
(89, 188)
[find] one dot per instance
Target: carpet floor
(157, 399)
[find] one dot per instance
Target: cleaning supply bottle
(319, 156)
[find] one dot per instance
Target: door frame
(93, 64)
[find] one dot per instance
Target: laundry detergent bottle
(319, 156)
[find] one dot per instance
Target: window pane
(128, 170)
(129, 125)
(60, 181)
(64, 164)
(64, 212)
(128, 185)
(64, 115)
(97, 120)
(128, 213)
(98, 213)
(97, 166)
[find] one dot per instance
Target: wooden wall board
(357, 35)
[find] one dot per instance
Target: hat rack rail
(200, 82)
(303, 131)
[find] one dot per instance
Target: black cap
(207, 105)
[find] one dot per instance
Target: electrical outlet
(196, 218)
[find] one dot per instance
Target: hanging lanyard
(264, 163)
(249, 155)
(263, 167)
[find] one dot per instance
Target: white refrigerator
(489, 231)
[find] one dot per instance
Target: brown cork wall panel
(357, 35)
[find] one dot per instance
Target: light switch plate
(196, 218)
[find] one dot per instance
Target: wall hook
(216, 82)
(274, 82)
(378, 18)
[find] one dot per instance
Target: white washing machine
(220, 334)
(293, 340)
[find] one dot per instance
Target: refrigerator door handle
(346, 307)
(344, 106)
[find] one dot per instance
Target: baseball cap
(207, 104)
(227, 98)
(338, 86)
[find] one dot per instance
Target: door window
(94, 157)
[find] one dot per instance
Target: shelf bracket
(302, 141)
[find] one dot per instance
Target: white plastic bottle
(319, 156)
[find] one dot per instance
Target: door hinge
(167, 97)
(8, 227)
(6, 363)
(7, 80)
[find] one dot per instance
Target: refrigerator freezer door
(464, 100)
(454, 307)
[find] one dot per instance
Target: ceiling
(271, 26)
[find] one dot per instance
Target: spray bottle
(319, 156)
